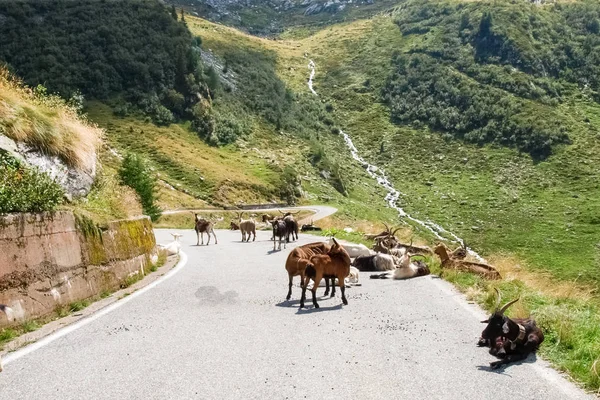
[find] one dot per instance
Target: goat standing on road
(292, 225)
(334, 264)
(279, 231)
(247, 227)
(296, 262)
(510, 339)
(204, 226)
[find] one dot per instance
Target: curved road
(220, 329)
(320, 212)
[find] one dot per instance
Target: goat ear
(485, 321)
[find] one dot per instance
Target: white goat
(405, 269)
(354, 250)
(173, 247)
(352, 278)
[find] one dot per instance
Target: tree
(136, 173)
(173, 12)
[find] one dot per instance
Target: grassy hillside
(48, 124)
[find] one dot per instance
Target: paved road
(220, 329)
(320, 212)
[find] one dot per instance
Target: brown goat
(298, 258)
(204, 226)
(247, 227)
(460, 253)
(485, 270)
(509, 339)
(334, 264)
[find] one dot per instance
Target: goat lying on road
(310, 227)
(173, 247)
(354, 250)
(509, 339)
(377, 262)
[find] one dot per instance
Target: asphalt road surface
(220, 328)
(320, 212)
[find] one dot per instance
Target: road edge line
(22, 352)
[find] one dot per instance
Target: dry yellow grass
(511, 268)
(46, 123)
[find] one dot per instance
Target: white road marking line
(83, 322)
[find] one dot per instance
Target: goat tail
(380, 276)
(310, 271)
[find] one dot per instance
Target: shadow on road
(500, 370)
(321, 309)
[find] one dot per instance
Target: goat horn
(510, 303)
(396, 230)
(387, 228)
(499, 298)
(335, 241)
(281, 211)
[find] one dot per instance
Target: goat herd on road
(509, 340)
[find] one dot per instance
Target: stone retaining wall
(50, 260)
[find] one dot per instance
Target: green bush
(228, 127)
(136, 173)
(25, 189)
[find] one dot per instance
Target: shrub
(25, 189)
(203, 121)
(228, 128)
(136, 173)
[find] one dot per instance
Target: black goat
(280, 230)
(292, 227)
(310, 227)
(510, 339)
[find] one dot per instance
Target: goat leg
(326, 287)
(508, 359)
(343, 290)
(332, 287)
(316, 280)
(289, 295)
(303, 297)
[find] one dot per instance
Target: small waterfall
(393, 195)
(311, 66)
